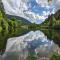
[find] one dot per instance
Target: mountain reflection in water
(32, 43)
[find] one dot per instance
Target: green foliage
(53, 21)
(4, 35)
(32, 26)
(31, 58)
(52, 35)
(13, 58)
(13, 19)
(0, 15)
(55, 56)
(9, 28)
(9, 24)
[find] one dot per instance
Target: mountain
(10, 27)
(57, 15)
(53, 21)
(9, 22)
(25, 21)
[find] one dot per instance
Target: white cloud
(20, 8)
(46, 13)
(54, 5)
(15, 7)
(33, 16)
(51, 4)
(57, 4)
(43, 3)
(48, 7)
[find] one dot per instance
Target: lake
(39, 43)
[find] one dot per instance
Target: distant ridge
(53, 21)
(19, 18)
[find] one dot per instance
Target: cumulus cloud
(33, 16)
(15, 7)
(57, 4)
(52, 3)
(23, 9)
(43, 3)
(46, 13)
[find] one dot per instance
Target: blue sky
(36, 11)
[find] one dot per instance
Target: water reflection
(4, 35)
(53, 35)
(33, 43)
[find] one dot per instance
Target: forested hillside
(53, 21)
(8, 22)
(9, 27)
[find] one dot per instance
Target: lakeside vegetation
(31, 58)
(52, 22)
(9, 28)
(7, 24)
(55, 56)
(51, 28)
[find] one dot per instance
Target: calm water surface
(37, 43)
